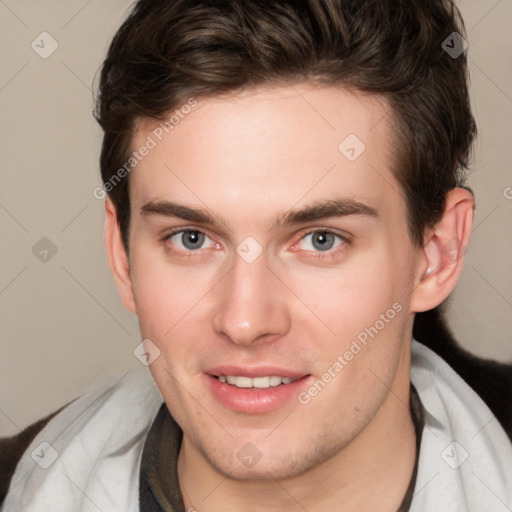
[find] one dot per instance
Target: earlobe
(117, 257)
(442, 258)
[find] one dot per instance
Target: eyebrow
(170, 209)
(317, 211)
(325, 210)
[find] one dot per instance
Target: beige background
(63, 327)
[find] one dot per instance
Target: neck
(381, 458)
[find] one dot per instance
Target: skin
(246, 160)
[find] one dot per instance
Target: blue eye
(190, 240)
(322, 241)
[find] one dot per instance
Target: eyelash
(314, 254)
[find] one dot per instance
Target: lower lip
(254, 401)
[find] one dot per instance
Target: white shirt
(87, 458)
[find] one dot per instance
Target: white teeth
(275, 381)
(256, 382)
(243, 382)
(261, 382)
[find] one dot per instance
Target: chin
(271, 462)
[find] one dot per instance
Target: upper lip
(260, 371)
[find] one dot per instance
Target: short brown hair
(170, 50)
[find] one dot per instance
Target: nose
(251, 306)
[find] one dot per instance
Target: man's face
(251, 288)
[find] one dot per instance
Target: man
(285, 195)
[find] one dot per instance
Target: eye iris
(323, 241)
(192, 239)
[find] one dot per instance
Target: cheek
(157, 273)
(353, 296)
(168, 308)
(163, 293)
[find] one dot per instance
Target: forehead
(269, 148)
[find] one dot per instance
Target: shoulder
(94, 433)
(465, 451)
(491, 380)
(12, 448)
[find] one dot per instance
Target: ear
(117, 257)
(442, 256)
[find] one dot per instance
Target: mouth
(255, 391)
